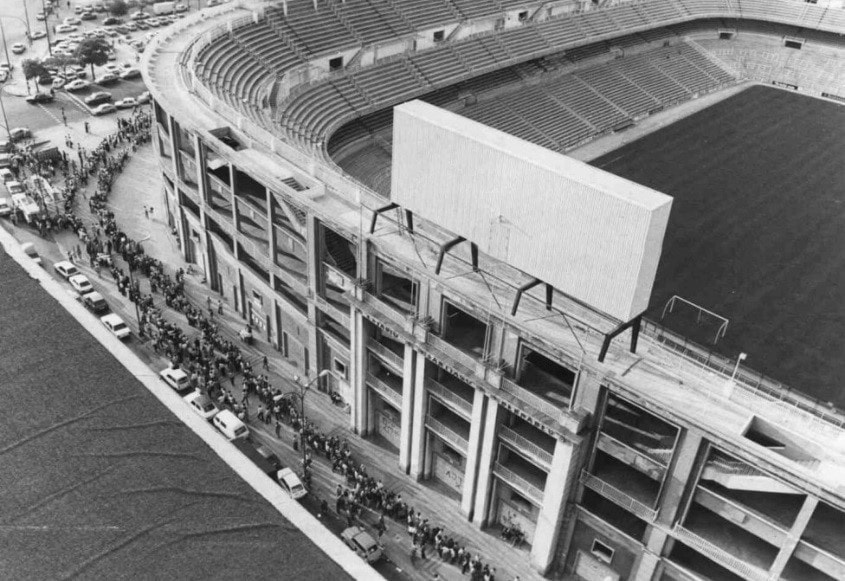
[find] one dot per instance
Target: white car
(103, 109)
(18, 48)
(65, 28)
(66, 268)
(19, 133)
(112, 68)
(116, 325)
(108, 77)
(5, 208)
(80, 284)
(291, 483)
(72, 21)
(144, 97)
(180, 7)
(175, 378)
(77, 85)
(140, 15)
(130, 73)
(201, 404)
(126, 103)
(36, 34)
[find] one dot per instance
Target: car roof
(111, 318)
(78, 277)
(175, 372)
(93, 295)
(65, 263)
(228, 416)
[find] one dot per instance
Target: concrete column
(793, 537)
(476, 433)
(417, 460)
(408, 383)
(487, 453)
(588, 392)
(646, 567)
(677, 480)
(359, 419)
(558, 485)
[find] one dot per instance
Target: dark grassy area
(101, 481)
(757, 231)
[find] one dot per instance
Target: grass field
(757, 230)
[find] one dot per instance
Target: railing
(619, 497)
(532, 400)
(616, 442)
(451, 351)
(525, 445)
(523, 486)
(718, 554)
(384, 389)
(447, 433)
(386, 355)
(449, 396)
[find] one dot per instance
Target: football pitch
(757, 230)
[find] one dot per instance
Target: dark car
(97, 98)
(45, 80)
(88, 16)
(39, 98)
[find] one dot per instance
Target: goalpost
(700, 312)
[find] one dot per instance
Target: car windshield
(239, 431)
(297, 487)
(120, 326)
(207, 406)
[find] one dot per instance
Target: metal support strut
(376, 212)
(446, 248)
(634, 324)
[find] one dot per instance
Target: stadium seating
(425, 13)
(370, 20)
(311, 32)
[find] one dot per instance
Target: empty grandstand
(621, 449)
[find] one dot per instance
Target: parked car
(29, 250)
(180, 7)
(175, 378)
(36, 34)
(77, 85)
(143, 97)
(4, 75)
(201, 404)
(5, 208)
(88, 16)
(116, 325)
(230, 426)
(66, 268)
(126, 103)
(362, 543)
(19, 133)
(72, 21)
(95, 302)
(108, 79)
(130, 73)
(41, 17)
(112, 20)
(103, 109)
(18, 48)
(65, 28)
(139, 15)
(291, 483)
(97, 98)
(80, 284)
(58, 82)
(39, 98)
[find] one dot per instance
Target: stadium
(387, 189)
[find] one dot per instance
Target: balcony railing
(532, 400)
(526, 446)
(384, 389)
(392, 359)
(619, 497)
(520, 484)
(447, 433)
(721, 556)
(452, 352)
(451, 398)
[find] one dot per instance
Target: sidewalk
(134, 190)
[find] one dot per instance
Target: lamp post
(739, 360)
(46, 27)
(303, 389)
(5, 119)
(5, 48)
(26, 14)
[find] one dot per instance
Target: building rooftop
(101, 480)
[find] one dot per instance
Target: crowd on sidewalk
(213, 362)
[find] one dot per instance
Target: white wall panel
(594, 236)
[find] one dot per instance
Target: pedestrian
(219, 307)
(324, 508)
(266, 363)
(86, 127)
(278, 428)
(146, 213)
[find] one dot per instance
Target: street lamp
(5, 119)
(303, 388)
(26, 14)
(739, 360)
(5, 48)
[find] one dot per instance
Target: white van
(175, 378)
(230, 426)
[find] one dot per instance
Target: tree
(93, 51)
(32, 69)
(118, 8)
(60, 62)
